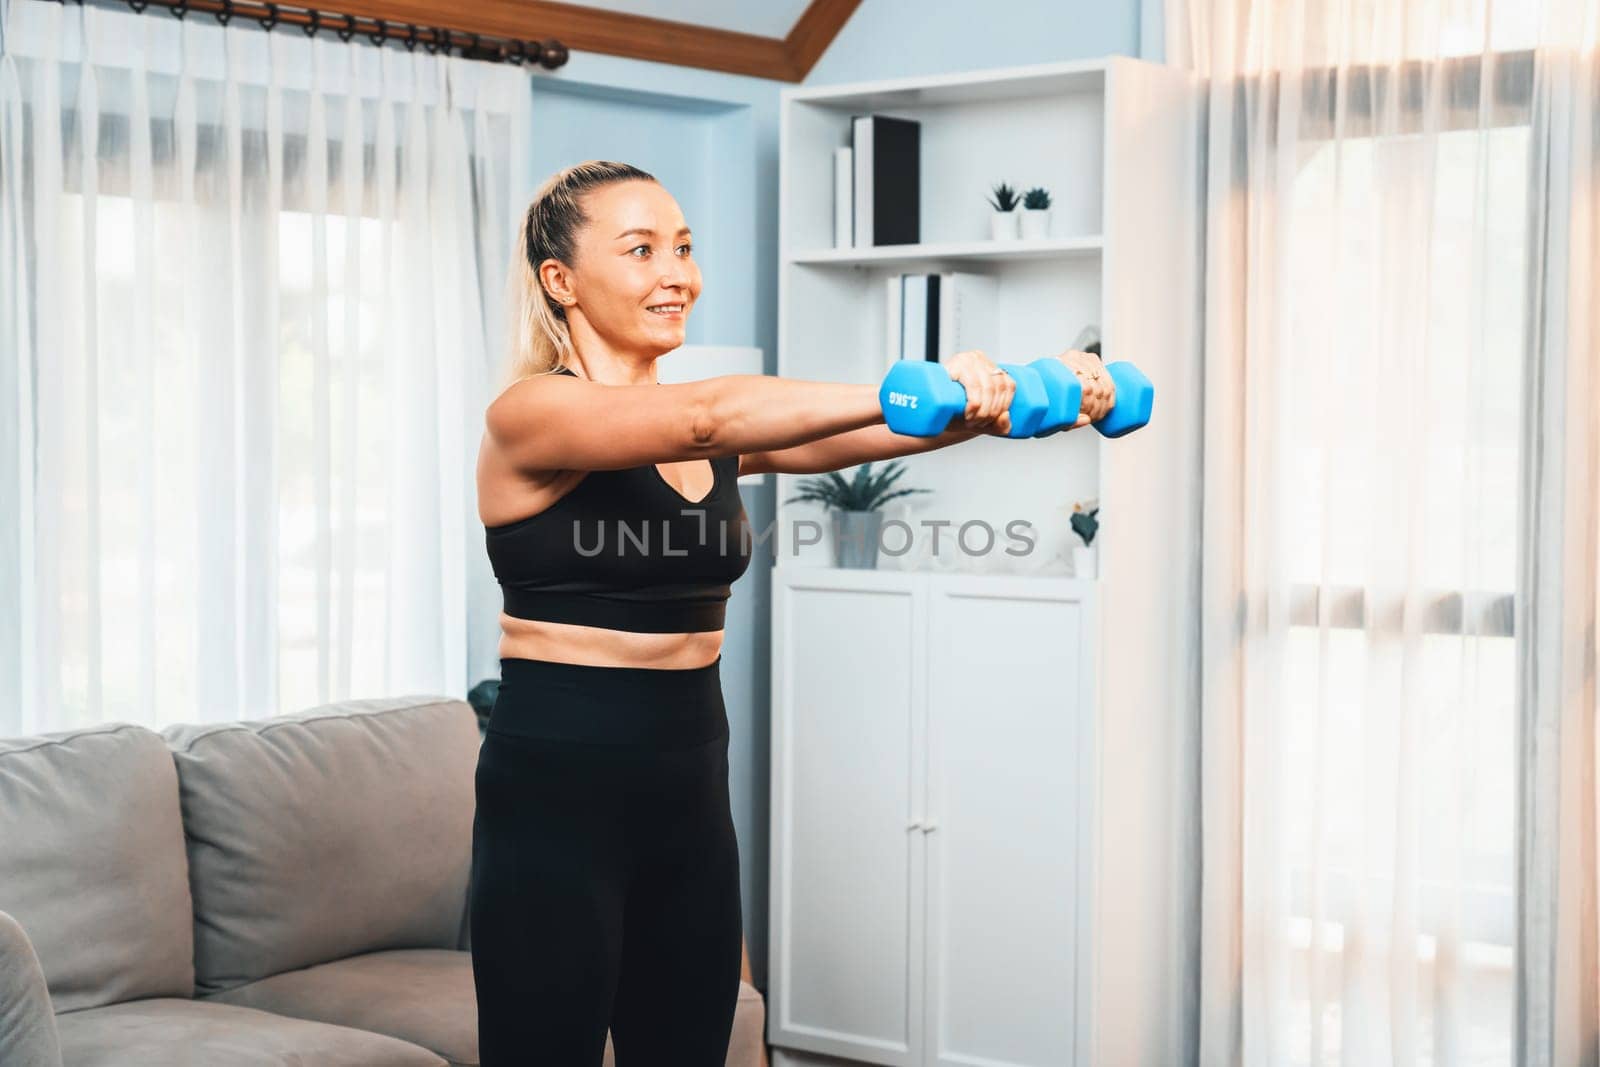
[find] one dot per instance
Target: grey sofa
(289, 891)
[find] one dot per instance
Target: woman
(605, 889)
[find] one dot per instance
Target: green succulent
(865, 492)
(1036, 198)
(1004, 199)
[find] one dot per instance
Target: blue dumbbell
(1066, 394)
(1135, 397)
(920, 398)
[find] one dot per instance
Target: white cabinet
(929, 801)
(850, 649)
(1009, 688)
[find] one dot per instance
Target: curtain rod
(548, 54)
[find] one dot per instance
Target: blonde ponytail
(540, 340)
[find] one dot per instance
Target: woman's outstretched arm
(553, 422)
(848, 449)
(989, 392)
(851, 447)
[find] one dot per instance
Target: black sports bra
(626, 551)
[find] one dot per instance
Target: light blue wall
(712, 139)
(901, 38)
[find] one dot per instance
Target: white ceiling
(765, 18)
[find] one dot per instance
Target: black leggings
(605, 872)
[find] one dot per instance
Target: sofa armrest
(27, 1021)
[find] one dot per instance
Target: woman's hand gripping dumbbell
(1046, 395)
(969, 390)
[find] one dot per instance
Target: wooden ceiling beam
(586, 29)
(815, 31)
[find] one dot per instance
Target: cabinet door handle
(915, 824)
(929, 826)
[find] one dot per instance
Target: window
(159, 515)
(1407, 243)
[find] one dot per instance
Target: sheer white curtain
(1400, 530)
(1558, 988)
(250, 287)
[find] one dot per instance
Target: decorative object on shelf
(1088, 340)
(1003, 224)
(1086, 524)
(857, 521)
(1036, 212)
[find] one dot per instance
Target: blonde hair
(539, 335)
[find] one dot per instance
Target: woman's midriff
(596, 646)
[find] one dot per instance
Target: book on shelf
(934, 316)
(844, 201)
(914, 332)
(886, 156)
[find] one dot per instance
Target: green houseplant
(1003, 223)
(855, 504)
(1004, 198)
(1036, 212)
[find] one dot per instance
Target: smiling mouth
(667, 311)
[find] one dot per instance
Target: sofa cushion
(327, 833)
(427, 997)
(168, 1032)
(424, 996)
(27, 1021)
(93, 863)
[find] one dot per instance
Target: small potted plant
(1003, 223)
(1036, 212)
(1085, 524)
(855, 503)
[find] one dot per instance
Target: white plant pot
(1083, 561)
(855, 538)
(1035, 222)
(1003, 225)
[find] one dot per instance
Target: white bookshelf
(893, 941)
(1042, 125)
(955, 252)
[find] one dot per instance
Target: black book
(887, 153)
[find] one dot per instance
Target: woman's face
(634, 255)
